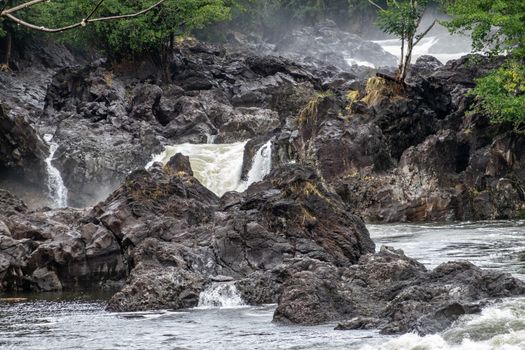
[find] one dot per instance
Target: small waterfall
(220, 295)
(219, 166)
(216, 166)
(261, 166)
(57, 191)
(210, 139)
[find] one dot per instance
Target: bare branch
(21, 6)
(82, 23)
(422, 35)
(376, 5)
(130, 15)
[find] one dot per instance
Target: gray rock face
(108, 124)
(414, 156)
(250, 237)
(391, 292)
(55, 251)
(287, 239)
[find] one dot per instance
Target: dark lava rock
(178, 236)
(22, 151)
(412, 153)
(391, 292)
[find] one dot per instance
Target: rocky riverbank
(348, 147)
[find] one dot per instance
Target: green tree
(402, 18)
(496, 27)
(120, 28)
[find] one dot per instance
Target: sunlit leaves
(496, 26)
(501, 95)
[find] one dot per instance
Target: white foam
(220, 295)
(57, 191)
(219, 166)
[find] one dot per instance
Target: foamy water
(219, 166)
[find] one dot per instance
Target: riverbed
(65, 321)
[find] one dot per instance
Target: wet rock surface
(344, 149)
(391, 292)
(412, 155)
(287, 239)
(249, 237)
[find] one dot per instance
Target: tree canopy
(496, 27)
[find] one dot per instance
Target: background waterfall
(57, 191)
(219, 166)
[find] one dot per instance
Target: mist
(345, 39)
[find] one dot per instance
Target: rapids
(80, 322)
(219, 166)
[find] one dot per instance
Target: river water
(80, 322)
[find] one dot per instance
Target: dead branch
(8, 13)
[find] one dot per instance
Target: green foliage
(501, 95)
(496, 26)
(148, 33)
(402, 18)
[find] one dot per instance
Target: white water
(353, 61)
(261, 166)
(393, 46)
(57, 191)
(219, 166)
(500, 327)
(79, 324)
(493, 245)
(220, 295)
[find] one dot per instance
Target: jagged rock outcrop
(391, 292)
(412, 155)
(109, 122)
(54, 250)
(287, 239)
(250, 237)
(22, 151)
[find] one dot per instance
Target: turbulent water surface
(80, 322)
(219, 166)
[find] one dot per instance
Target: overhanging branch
(8, 13)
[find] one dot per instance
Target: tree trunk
(408, 58)
(8, 49)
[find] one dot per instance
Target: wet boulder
(391, 292)
(168, 224)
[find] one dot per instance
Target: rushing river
(80, 322)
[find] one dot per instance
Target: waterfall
(261, 166)
(57, 191)
(219, 166)
(220, 295)
(216, 166)
(210, 139)
(393, 46)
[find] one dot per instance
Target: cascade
(261, 166)
(57, 191)
(219, 166)
(220, 295)
(393, 46)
